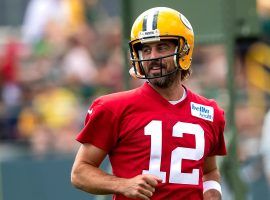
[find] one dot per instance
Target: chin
(159, 82)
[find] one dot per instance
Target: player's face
(158, 67)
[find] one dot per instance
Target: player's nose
(154, 54)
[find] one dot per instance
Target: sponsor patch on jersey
(202, 111)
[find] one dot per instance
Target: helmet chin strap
(134, 75)
(176, 63)
(132, 72)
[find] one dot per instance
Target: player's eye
(146, 50)
(163, 48)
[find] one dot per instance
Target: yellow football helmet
(157, 24)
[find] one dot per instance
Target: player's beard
(167, 80)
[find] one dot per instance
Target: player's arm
(211, 180)
(87, 176)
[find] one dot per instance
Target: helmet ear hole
(184, 54)
(184, 62)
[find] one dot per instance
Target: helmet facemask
(140, 71)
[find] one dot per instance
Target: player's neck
(172, 93)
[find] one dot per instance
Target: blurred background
(56, 56)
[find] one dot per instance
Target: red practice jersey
(143, 133)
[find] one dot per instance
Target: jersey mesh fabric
(117, 124)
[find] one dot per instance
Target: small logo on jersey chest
(202, 111)
(90, 111)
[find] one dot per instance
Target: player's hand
(140, 187)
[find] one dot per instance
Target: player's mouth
(156, 69)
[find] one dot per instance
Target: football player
(162, 139)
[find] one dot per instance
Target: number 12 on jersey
(154, 129)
